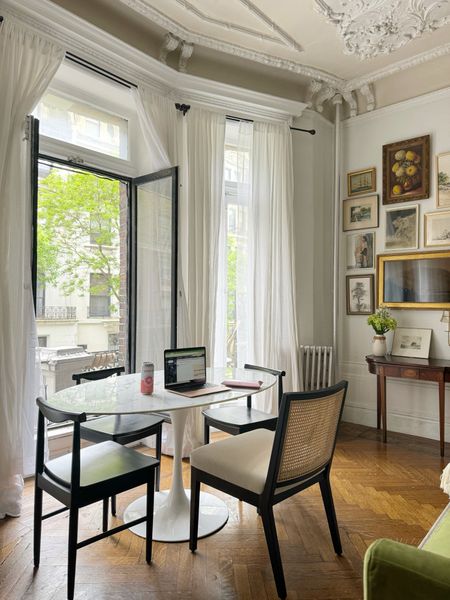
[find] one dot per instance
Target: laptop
(185, 372)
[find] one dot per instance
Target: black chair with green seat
(240, 419)
(122, 429)
(86, 476)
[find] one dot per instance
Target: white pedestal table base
(174, 527)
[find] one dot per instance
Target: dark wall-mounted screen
(414, 281)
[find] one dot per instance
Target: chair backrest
(316, 367)
(275, 372)
(98, 374)
(305, 437)
(58, 416)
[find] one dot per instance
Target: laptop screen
(184, 366)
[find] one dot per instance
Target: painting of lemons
(406, 170)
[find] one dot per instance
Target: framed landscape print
(406, 170)
(362, 182)
(411, 342)
(443, 180)
(360, 213)
(402, 228)
(437, 228)
(360, 294)
(361, 250)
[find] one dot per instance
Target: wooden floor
(380, 491)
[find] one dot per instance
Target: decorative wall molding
(369, 28)
(95, 45)
(186, 50)
(169, 44)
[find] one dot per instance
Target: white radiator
(316, 367)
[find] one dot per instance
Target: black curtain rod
(231, 118)
(99, 70)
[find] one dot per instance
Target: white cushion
(242, 459)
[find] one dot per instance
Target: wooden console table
(431, 369)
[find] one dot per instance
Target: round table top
(122, 395)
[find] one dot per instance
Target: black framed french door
(154, 266)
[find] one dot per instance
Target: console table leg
(378, 401)
(382, 381)
(442, 414)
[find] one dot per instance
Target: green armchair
(395, 571)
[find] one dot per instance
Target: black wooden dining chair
(86, 476)
(264, 468)
(240, 419)
(122, 429)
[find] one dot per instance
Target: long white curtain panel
(27, 65)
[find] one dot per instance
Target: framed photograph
(361, 250)
(406, 170)
(360, 294)
(443, 180)
(360, 213)
(401, 277)
(362, 182)
(437, 228)
(402, 228)
(411, 342)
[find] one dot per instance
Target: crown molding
(424, 99)
(97, 46)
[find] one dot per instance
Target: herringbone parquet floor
(380, 491)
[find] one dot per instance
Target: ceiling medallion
(372, 27)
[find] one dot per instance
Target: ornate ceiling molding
(369, 28)
(144, 8)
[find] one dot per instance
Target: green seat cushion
(438, 538)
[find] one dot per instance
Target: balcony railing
(56, 313)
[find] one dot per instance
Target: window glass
(75, 122)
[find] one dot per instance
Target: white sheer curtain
(27, 65)
(205, 137)
(196, 144)
(273, 338)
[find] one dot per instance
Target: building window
(99, 296)
(69, 120)
(42, 341)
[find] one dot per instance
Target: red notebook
(253, 385)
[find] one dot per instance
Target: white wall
(412, 406)
(313, 218)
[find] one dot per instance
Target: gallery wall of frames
(395, 203)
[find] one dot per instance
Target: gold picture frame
(362, 182)
(400, 279)
(360, 213)
(406, 170)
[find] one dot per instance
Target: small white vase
(379, 345)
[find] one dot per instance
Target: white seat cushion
(242, 459)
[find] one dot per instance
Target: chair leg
(149, 521)
(73, 535)
(205, 432)
(158, 456)
(270, 532)
(195, 507)
(37, 525)
(328, 503)
(113, 506)
(105, 515)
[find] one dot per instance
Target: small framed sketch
(360, 213)
(360, 294)
(402, 228)
(437, 228)
(406, 170)
(411, 342)
(443, 180)
(362, 182)
(361, 250)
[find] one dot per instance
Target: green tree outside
(78, 232)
